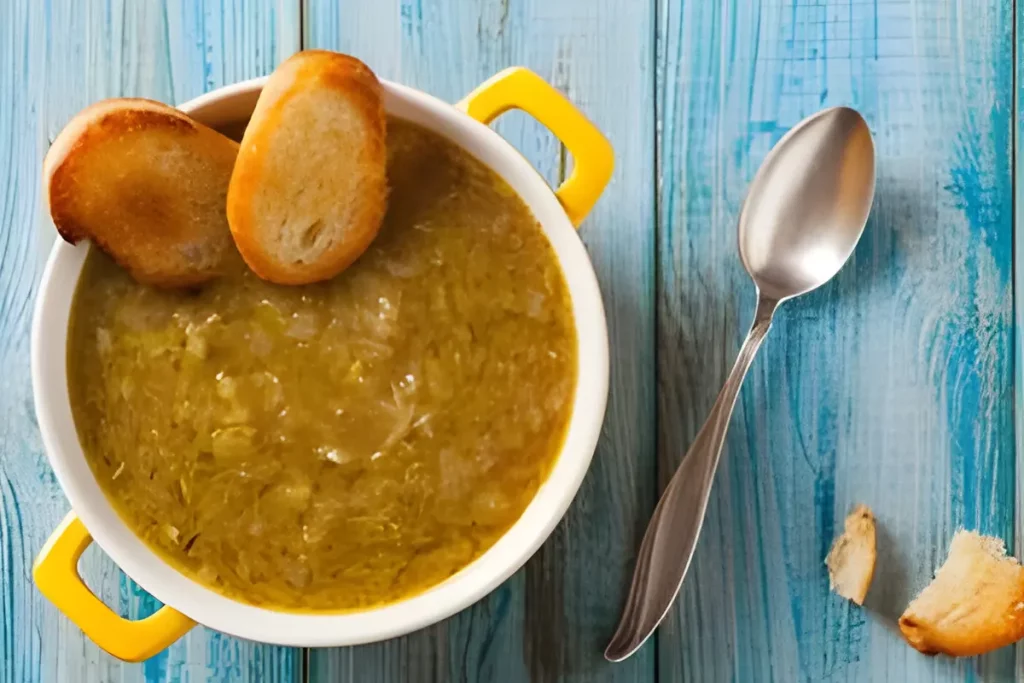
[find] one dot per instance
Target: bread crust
(105, 181)
(254, 173)
(851, 561)
(974, 605)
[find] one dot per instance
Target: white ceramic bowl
(516, 88)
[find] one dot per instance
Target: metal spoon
(804, 213)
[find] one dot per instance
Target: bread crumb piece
(974, 605)
(851, 562)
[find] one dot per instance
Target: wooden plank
(55, 58)
(892, 385)
(551, 621)
(1018, 292)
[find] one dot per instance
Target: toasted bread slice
(147, 185)
(308, 192)
(975, 603)
(851, 562)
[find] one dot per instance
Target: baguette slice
(851, 562)
(975, 603)
(147, 185)
(308, 192)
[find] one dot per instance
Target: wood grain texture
(551, 620)
(1018, 291)
(56, 57)
(1018, 85)
(892, 385)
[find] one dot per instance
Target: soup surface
(341, 445)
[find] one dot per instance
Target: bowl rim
(482, 575)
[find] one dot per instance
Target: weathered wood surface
(55, 58)
(892, 386)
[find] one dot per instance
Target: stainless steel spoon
(804, 213)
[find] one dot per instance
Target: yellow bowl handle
(56, 575)
(520, 88)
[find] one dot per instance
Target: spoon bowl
(808, 204)
(804, 214)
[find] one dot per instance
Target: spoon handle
(675, 526)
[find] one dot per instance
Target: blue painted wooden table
(893, 386)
